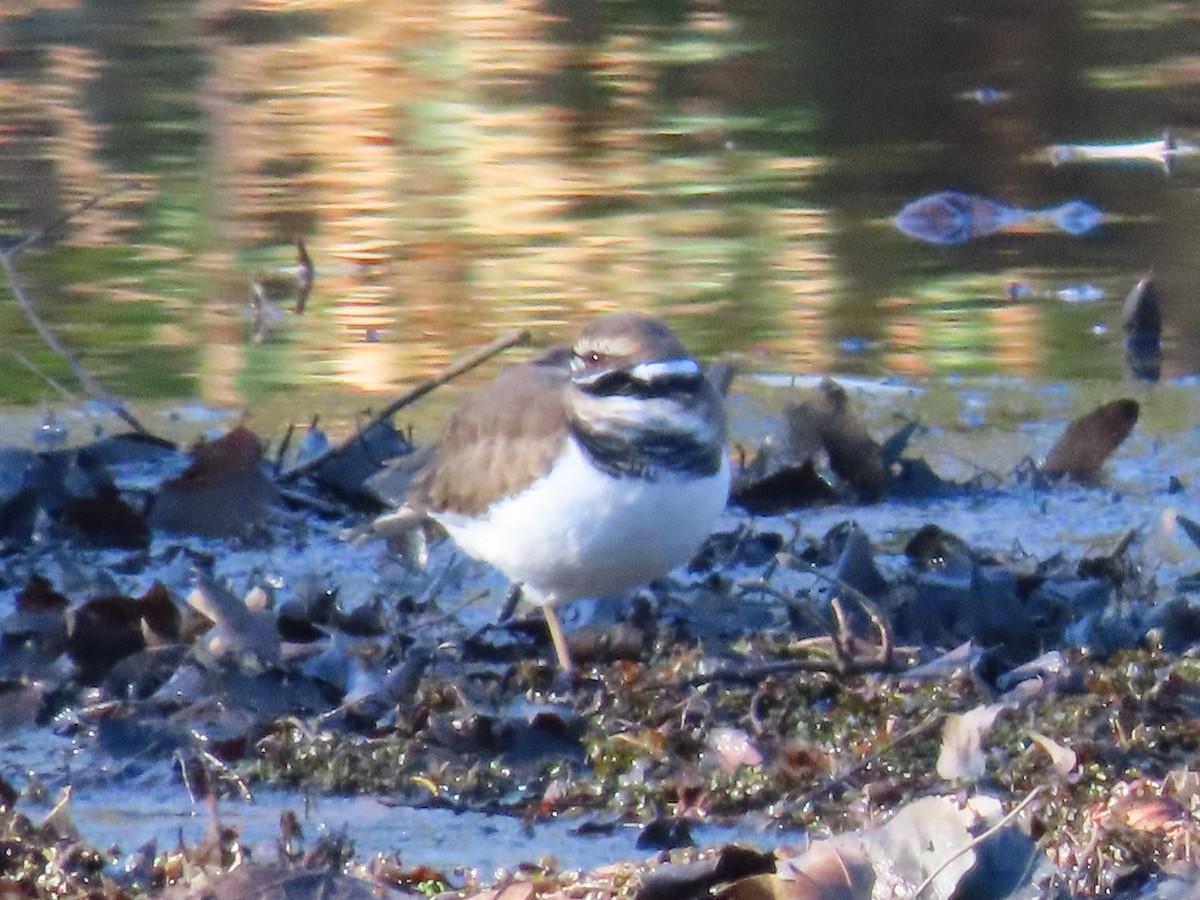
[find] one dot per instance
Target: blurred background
(459, 167)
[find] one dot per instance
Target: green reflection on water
(458, 169)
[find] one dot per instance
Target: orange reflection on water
(1018, 344)
(456, 171)
(75, 143)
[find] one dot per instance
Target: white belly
(581, 533)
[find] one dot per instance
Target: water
(460, 168)
(440, 838)
(456, 169)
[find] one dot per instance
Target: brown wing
(505, 435)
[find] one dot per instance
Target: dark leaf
(792, 487)
(223, 492)
(1090, 439)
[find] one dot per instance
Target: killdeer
(585, 472)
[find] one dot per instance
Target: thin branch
(284, 443)
(8, 261)
(306, 277)
(843, 661)
(975, 842)
(882, 659)
(93, 387)
(452, 371)
(53, 383)
(33, 238)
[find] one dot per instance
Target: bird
(584, 472)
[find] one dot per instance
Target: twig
(830, 666)
(36, 237)
(452, 371)
(844, 662)
(28, 364)
(284, 443)
(89, 384)
(882, 659)
(299, 498)
(975, 842)
(306, 277)
(450, 614)
(8, 261)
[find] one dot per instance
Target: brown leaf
(788, 488)
(105, 521)
(1156, 814)
(105, 630)
(1141, 313)
(39, 596)
(733, 863)
(236, 451)
(826, 419)
(829, 872)
(222, 492)
(756, 887)
(961, 755)
(1089, 440)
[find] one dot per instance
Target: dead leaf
(781, 490)
(757, 887)
(105, 630)
(1064, 759)
(105, 520)
(238, 630)
(826, 419)
(274, 882)
(731, 864)
(1090, 439)
(829, 872)
(1141, 315)
(1156, 814)
(961, 756)
(223, 492)
(928, 840)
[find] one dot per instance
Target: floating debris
(1141, 315)
(1079, 293)
(1161, 152)
(984, 95)
(951, 217)
(269, 289)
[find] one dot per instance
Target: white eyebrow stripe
(667, 368)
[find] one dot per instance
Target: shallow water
(458, 168)
(972, 425)
(442, 839)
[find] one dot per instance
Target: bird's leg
(556, 635)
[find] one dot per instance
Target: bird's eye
(587, 364)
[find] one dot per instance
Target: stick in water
(452, 371)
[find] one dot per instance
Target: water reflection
(1161, 152)
(457, 169)
(952, 217)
